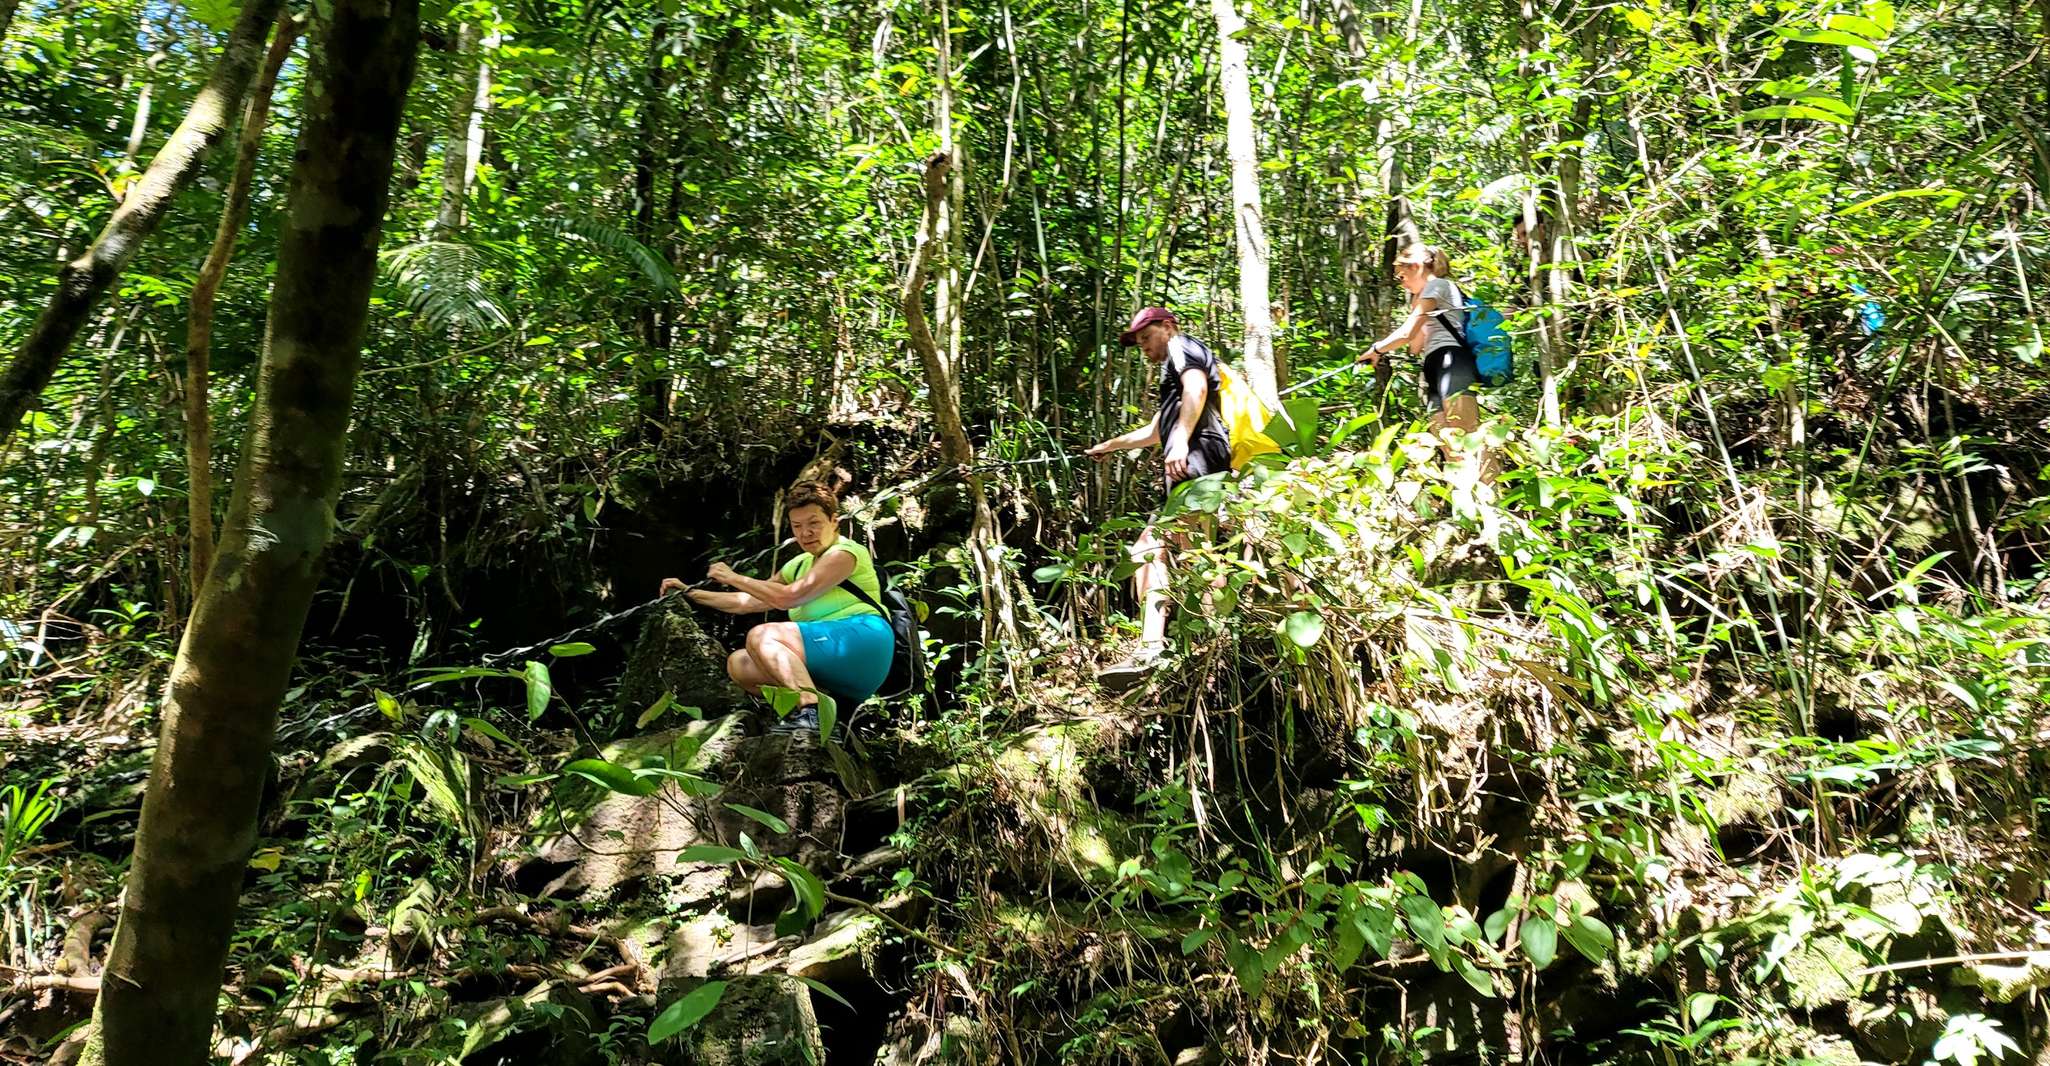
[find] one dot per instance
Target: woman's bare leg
(741, 668)
(777, 651)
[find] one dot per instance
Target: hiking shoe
(805, 720)
(1127, 673)
(805, 723)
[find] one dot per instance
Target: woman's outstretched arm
(824, 575)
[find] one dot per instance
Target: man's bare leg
(1150, 580)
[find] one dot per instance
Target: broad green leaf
(1246, 962)
(1793, 111)
(1951, 198)
(710, 853)
(1835, 37)
(686, 1012)
(539, 689)
(821, 989)
(489, 730)
(774, 824)
(1305, 628)
(571, 650)
(829, 715)
(1496, 925)
(1426, 922)
(1856, 25)
(613, 776)
(1481, 981)
(1590, 937)
(805, 885)
(1540, 937)
(463, 673)
(1196, 939)
(656, 710)
(388, 705)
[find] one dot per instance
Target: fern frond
(442, 283)
(620, 243)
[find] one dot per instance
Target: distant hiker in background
(837, 639)
(1449, 370)
(1194, 442)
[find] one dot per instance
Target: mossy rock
(1897, 1025)
(2005, 982)
(1821, 972)
(549, 1026)
(675, 656)
(761, 1020)
(608, 840)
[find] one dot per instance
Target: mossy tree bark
(220, 714)
(84, 280)
(199, 320)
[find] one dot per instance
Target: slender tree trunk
(465, 147)
(163, 973)
(651, 369)
(139, 128)
(1245, 195)
(85, 279)
(199, 328)
(999, 611)
(8, 7)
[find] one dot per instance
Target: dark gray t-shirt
(1185, 353)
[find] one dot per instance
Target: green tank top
(835, 603)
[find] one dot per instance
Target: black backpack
(907, 663)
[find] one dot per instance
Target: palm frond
(442, 283)
(618, 242)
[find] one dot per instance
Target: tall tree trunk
(985, 547)
(85, 279)
(651, 363)
(199, 328)
(1245, 196)
(8, 7)
(163, 971)
(465, 146)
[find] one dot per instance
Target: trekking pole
(1321, 377)
(992, 464)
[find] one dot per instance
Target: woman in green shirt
(834, 641)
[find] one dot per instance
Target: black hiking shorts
(1207, 455)
(1447, 373)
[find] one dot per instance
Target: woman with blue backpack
(1439, 328)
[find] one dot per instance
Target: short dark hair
(812, 494)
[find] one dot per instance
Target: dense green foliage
(1728, 690)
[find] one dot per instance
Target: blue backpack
(1485, 340)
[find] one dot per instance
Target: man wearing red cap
(1192, 431)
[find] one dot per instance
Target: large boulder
(552, 1025)
(764, 1020)
(675, 656)
(607, 840)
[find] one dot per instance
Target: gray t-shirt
(1447, 297)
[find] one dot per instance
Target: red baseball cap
(1146, 317)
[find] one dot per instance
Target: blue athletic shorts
(848, 657)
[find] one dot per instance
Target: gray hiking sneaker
(802, 720)
(1127, 673)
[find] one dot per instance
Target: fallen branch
(870, 908)
(1948, 960)
(45, 982)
